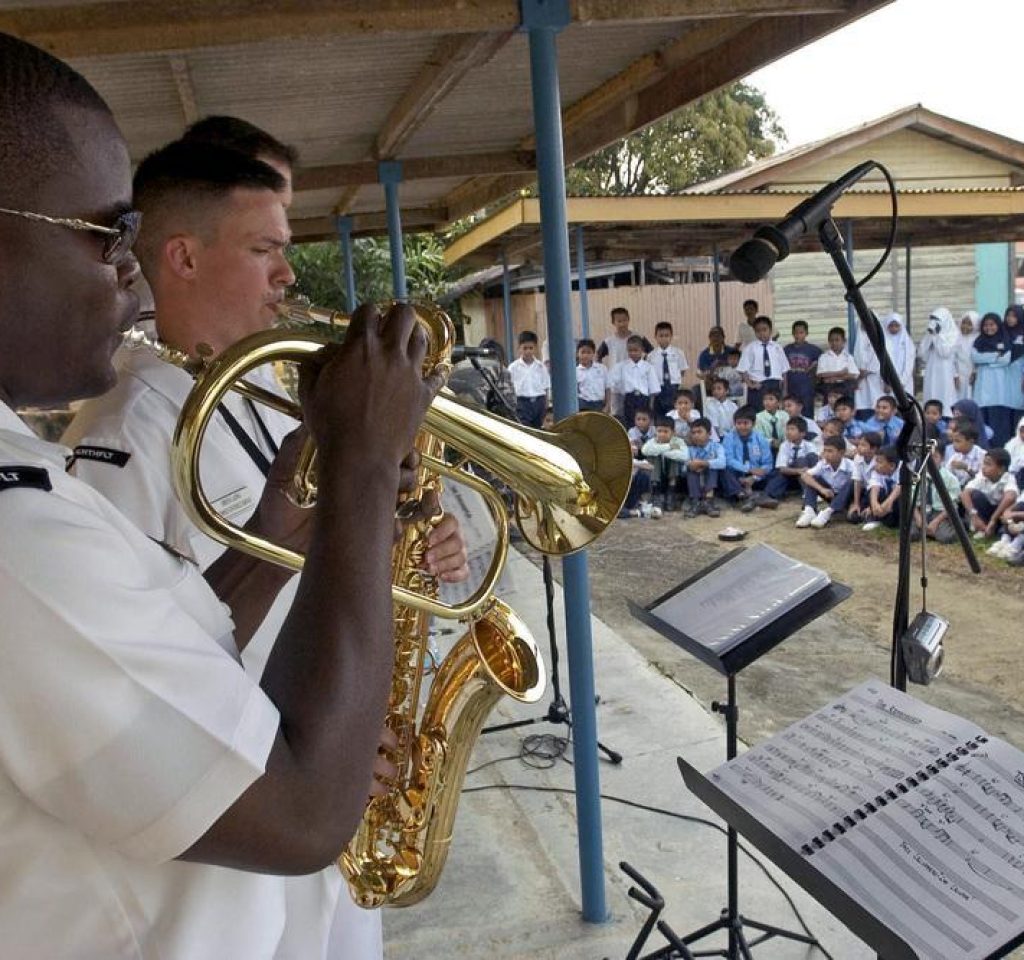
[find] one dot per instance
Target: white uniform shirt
(127, 727)
(790, 451)
(634, 377)
(752, 361)
(836, 477)
(137, 418)
(972, 458)
(591, 382)
(994, 490)
(677, 364)
(529, 379)
(841, 362)
(863, 470)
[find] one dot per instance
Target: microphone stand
(558, 710)
(832, 242)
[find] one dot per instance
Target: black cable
(891, 242)
(668, 813)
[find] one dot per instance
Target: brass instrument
(570, 485)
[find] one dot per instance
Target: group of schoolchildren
(696, 450)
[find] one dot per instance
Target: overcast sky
(961, 58)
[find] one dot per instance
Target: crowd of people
(767, 421)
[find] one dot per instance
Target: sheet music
(912, 811)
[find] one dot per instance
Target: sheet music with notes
(913, 812)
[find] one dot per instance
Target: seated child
(936, 522)
(748, 461)
(705, 460)
(884, 490)
(963, 455)
(771, 421)
(868, 445)
(667, 454)
(935, 423)
(1013, 524)
(989, 495)
(794, 407)
(591, 378)
(845, 413)
(719, 409)
(832, 395)
(795, 455)
(641, 431)
(684, 414)
(834, 428)
(885, 420)
(831, 479)
(635, 380)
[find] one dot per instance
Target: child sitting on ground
(719, 409)
(748, 461)
(834, 428)
(684, 414)
(831, 479)
(884, 491)
(641, 431)
(828, 411)
(936, 425)
(845, 414)
(668, 455)
(867, 445)
(771, 421)
(1013, 523)
(936, 522)
(885, 420)
(795, 455)
(964, 456)
(988, 496)
(705, 459)
(794, 407)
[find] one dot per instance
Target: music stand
(729, 662)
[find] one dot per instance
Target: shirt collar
(163, 377)
(21, 438)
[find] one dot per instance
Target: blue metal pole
(348, 273)
(581, 276)
(851, 314)
(542, 20)
(506, 296)
(389, 172)
(717, 275)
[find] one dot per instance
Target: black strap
(248, 444)
(267, 438)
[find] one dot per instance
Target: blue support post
(851, 314)
(506, 300)
(717, 277)
(543, 19)
(389, 172)
(348, 273)
(581, 279)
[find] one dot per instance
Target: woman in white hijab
(869, 383)
(901, 352)
(937, 351)
(970, 325)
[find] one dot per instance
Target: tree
(723, 131)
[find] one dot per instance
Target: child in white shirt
(668, 456)
(531, 382)
(831, 478)
(591, 378)
(719, 409)
(763, 363)
(634, 380)
(963, 455)
(836, 366)
(684, 414)
(669, 363)
(868, 444)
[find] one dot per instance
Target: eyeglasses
(120, 237)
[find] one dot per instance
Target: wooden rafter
(186, 91)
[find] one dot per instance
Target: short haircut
(34, 141)
(719, 380)
(179, 186)
(800, 323)
(835, 443)
(750, 303)
(967, 430)
(733, 352)
(835, 391)
(933, 403)
(844, 401)
(701, 423)
(885, 398)
(745, 413)
(763, 319)
(685, 392)
(585, 342)
(716, 331)
(665, 423)
(872, 438)
(642, 412)
(635, 340)
(835, 423)
(889, 453)
(771, 392)
(793, 398)
(663, 325)
(616, 310)
(1000, 456)
(837, 330)
(237, 134)
(799, 422)
(527, 336)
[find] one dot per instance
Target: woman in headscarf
(937, 352)
(900, 348)
(991, 357)
(969, 410)
(869, 382)
(1013, 324)
(964, 373)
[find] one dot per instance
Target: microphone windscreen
(752, 260)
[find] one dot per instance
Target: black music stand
(729, 662)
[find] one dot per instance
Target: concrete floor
(511, 886)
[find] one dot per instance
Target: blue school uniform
(699, 484)
(889, 430)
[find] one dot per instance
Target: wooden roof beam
(413, 218)
(186, 91)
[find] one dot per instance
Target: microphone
(752, 260)
(462, 352)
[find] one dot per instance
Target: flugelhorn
(569, 482)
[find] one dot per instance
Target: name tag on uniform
(232, 504)
(37, 478)
(116, 458)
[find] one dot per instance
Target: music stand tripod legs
(558, 709)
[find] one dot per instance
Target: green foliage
(318, 270)
(723, 131)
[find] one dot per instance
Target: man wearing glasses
(152, 791)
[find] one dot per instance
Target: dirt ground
(641, 559)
